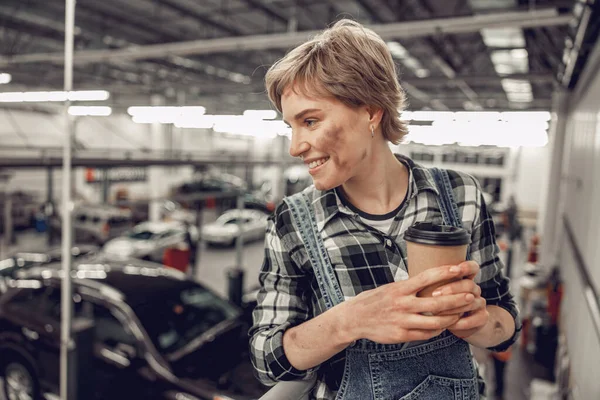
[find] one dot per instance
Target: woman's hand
(474, 316)
(394, 314)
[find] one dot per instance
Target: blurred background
(177, 158)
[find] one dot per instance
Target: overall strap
(446, 201)
(303, 218)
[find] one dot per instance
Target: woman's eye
(310, 122)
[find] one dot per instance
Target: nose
(298, 145)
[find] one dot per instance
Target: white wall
(580, 196)
(531, 163)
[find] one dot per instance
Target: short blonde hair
(350, 63)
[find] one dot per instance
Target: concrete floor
(212, 271)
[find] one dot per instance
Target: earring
(372, 132)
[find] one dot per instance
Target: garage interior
(155, 131)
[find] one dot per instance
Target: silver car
(149, 240)
(225, 230)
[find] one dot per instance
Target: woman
(359, 325)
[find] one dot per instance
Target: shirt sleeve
(281, 304)
(494, 284)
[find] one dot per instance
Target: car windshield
(141, 235)
(174, 319)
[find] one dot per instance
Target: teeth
(315, 164)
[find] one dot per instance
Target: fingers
(431, 276)
(461, 286)
(437, 305)
(430, 322)
(478, 303)
(469, 269)
(476, 319)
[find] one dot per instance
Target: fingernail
(436, 293)
(455, 268)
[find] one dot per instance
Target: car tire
(20, 380)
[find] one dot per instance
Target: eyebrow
(302, 113)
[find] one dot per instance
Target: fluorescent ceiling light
(242, 125)
(85, 95)
(469, 116)
(431, 115)
(517, 90)
(519, 53)
(504, 61)
(5, 78)
(422, 73)
(165, 115)
(261, 114)
(441, 117)
(503, 37)
(399, 52)
(201, 122)
(171, 110)
(98, 111)
(480, 133)
(89, 95)
(521, 116)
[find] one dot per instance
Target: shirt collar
(419, 179)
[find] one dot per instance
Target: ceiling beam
(528, 19)
(258, 87)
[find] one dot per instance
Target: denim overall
(439, 369)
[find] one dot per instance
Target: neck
(381, 184)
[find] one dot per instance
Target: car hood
(125, 246)
(220, 229)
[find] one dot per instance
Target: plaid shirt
(363, 258)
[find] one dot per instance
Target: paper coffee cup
(430, 245)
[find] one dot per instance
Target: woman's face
(332, 139)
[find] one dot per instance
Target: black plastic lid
(437, 235)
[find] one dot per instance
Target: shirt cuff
(278, 363)
(518, 327)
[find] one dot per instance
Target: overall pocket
(442, 388)
(438, 370)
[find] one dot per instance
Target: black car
(156, 334)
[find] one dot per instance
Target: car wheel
(20, 381)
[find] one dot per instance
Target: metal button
(388, 242)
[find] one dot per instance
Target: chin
(321, 184)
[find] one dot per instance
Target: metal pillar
(199, 218)
(550, 220)
(248, 168)
(280, 183)
(155, 174)
(49, 209)
(8, 223)
(66, 387)
(235, 274)
(239, 243)
(105, 186)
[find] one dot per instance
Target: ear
(375, 115)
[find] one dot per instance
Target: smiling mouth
(318, 163)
